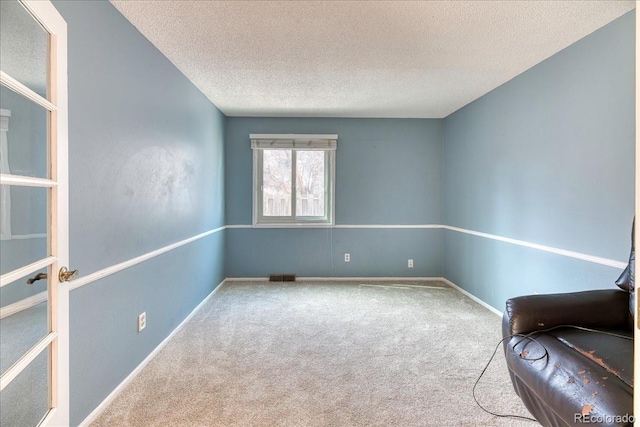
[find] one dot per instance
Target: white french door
(34, 248)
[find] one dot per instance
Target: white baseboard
(107, 401)
(473, 297)
(332, 279)
(246, 279)
(369, 278)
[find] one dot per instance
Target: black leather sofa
(570, 356)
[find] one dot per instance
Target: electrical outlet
(347, 257)
(410, 263)
(142, 321)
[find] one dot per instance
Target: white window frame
(293, 142)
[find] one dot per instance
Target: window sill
(294, 225)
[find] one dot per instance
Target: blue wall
(146, 170)
(546, 158)
(388, 171)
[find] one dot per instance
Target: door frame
(58, 228)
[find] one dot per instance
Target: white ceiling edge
(389, 59)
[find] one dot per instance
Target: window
(293, 179)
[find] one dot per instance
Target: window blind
(293, 142)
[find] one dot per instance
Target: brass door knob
(66, 275)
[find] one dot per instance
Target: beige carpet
(324, 354)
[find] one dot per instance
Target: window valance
(293, 142)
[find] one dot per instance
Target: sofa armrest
(593, 309)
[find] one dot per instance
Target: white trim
(13, 84)
(119, 267)
(557, 251)
(390, 226)
(256, 171)
(16, 274)
(26, 181)
(335, 279)
(58, 232)
(365, 278)
(473, 297)
(345, 226)
(116, 391)
(23, 304)
(130, 263)
(247, 279)
(290, 225)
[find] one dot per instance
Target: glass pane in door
(23, 317)
(23, 147)
(25, 401)
(23, 47)
(23, 222)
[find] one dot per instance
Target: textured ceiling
(356, 58)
